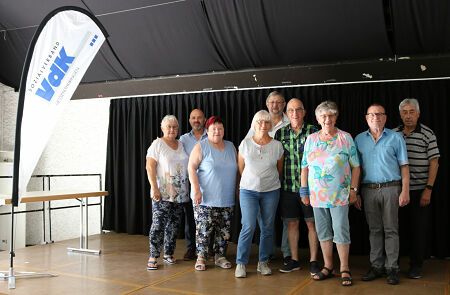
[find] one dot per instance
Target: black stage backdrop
(134, 123)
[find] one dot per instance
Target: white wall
(77, 146)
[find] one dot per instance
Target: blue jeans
(189, 225)
(285, 248)
(251, 203)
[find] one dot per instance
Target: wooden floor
(121, 269)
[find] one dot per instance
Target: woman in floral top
(330, 174)
(167, 173)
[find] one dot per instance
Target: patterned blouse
(171, 171)
(330, 164)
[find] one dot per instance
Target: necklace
(327, 137)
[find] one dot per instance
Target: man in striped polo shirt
(293, 137)
(423, 156)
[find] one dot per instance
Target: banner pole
(11, 277)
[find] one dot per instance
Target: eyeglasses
(275, 102)
(172, 127)
(324, 116)
(373, 115)
(295, 110)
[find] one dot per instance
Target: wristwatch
(354, 189)
(430, 187)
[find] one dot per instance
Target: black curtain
(134, 123)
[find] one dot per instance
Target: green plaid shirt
(293, 152)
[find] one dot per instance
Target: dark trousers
(414, 225)
(189, 225)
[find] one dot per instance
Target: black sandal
(346, 279)
(322, 276)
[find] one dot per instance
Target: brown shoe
(190, 255)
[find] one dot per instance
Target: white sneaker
(240, 271)
(263, 268)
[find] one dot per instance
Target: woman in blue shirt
(212, 172)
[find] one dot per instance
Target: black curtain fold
(421, 26)
(134, 123)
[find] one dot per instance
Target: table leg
(83, 227)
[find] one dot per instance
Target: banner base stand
(97, 252)
(11, 276)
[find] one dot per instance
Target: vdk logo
(57, 72)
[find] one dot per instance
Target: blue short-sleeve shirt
(381, 160)
(189, 141)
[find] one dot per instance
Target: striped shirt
(422, 147)
(293, 145)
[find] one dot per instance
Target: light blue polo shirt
(189, 141)
(381, 161)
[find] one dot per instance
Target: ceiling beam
(402, 68)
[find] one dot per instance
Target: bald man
(189, 140)
(293, 137)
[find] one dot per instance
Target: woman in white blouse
(167, 173)
(260, 163)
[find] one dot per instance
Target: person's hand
(197, 197)
(352, 197)
(306, 201)
(358, 202)
(425, 199)
(403, 200)
(156, 194)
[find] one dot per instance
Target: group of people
(308, 172)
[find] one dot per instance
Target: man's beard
(197, 128)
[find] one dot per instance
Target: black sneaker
(314, 267)
(392, 277)
(373, 274)
(291, 266)
(286, 260)
(415, 272)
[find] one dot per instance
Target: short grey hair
(327, 106)
(168, 118)
(409, 101)
(273, 93)
(262, 115)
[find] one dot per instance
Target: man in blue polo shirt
(385, 187)
(189, 140)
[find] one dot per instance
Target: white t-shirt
(260, 172)
(171, 171)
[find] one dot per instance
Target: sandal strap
(327, 269)
(347, 272)
(222, 258)
(199, 265)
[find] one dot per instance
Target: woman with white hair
(260, 162)
(166, 167)
(330, 175)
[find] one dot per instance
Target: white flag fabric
(63, 50)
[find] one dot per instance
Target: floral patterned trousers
(212, 219)
(166, 217)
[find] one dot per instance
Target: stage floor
(121, 269)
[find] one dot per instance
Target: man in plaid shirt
(293, 137)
